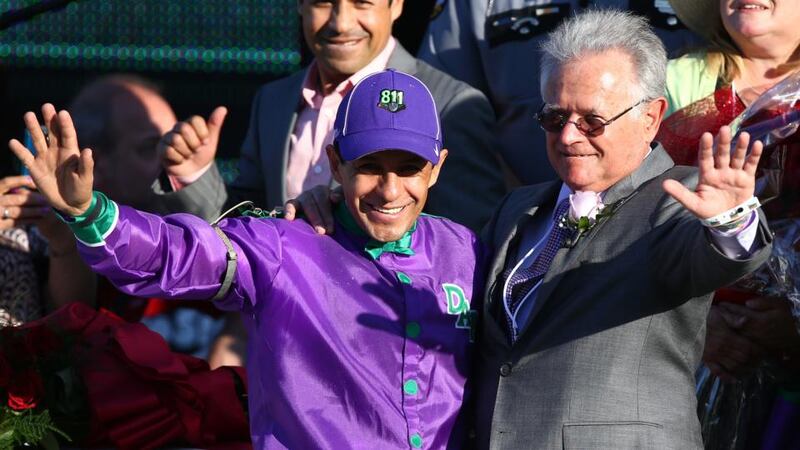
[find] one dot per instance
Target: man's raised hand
(192, 144)
(61, 171)
(727, 179)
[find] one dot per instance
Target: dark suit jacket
(607, 359)
(469, 186)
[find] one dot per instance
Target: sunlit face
(346, 35)
(126, 171)
(747, 21)
(600, 85)
(385, 191)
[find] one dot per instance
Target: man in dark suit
(594, 319)
(291, 123)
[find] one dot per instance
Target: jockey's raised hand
(61, 171)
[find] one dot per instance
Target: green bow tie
(375, 248)
(401, 246)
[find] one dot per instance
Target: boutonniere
(586, 210)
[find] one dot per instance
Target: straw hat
(700, 16)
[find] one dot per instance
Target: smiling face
(346, 35)
(749, 21)
(385, 191)
(599, 84)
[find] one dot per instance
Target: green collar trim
(374, 248)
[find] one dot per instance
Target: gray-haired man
(593, 343)
(493, 45)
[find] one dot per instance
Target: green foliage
(20, 427)
(584, 224)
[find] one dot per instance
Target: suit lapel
(654, 165)
(509, 227)
(278, 119)
(493, 309)
(565, 260)
(568, 259)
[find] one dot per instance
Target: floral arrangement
(26, 354)
(60, 379)
(586, 210)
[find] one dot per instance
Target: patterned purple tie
(525, 279)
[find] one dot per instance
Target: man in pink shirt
(292, 120)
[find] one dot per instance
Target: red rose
(25, 390)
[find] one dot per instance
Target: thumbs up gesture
(192, 144)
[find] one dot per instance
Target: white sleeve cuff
(736, 244)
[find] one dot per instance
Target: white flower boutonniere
(586, 209)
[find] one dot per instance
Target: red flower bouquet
(729, 411)
(90, 377)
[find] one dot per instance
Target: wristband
(734, 214)
(96, 223)
(87, 215)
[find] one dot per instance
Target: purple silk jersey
(344, 351)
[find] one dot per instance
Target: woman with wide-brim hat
(751, 46)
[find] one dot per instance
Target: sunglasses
(554, 120)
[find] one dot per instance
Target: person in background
(750, 49)
(751, 46)
(291, 123)
(40, 268)
(494, 46)
(122, 118)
